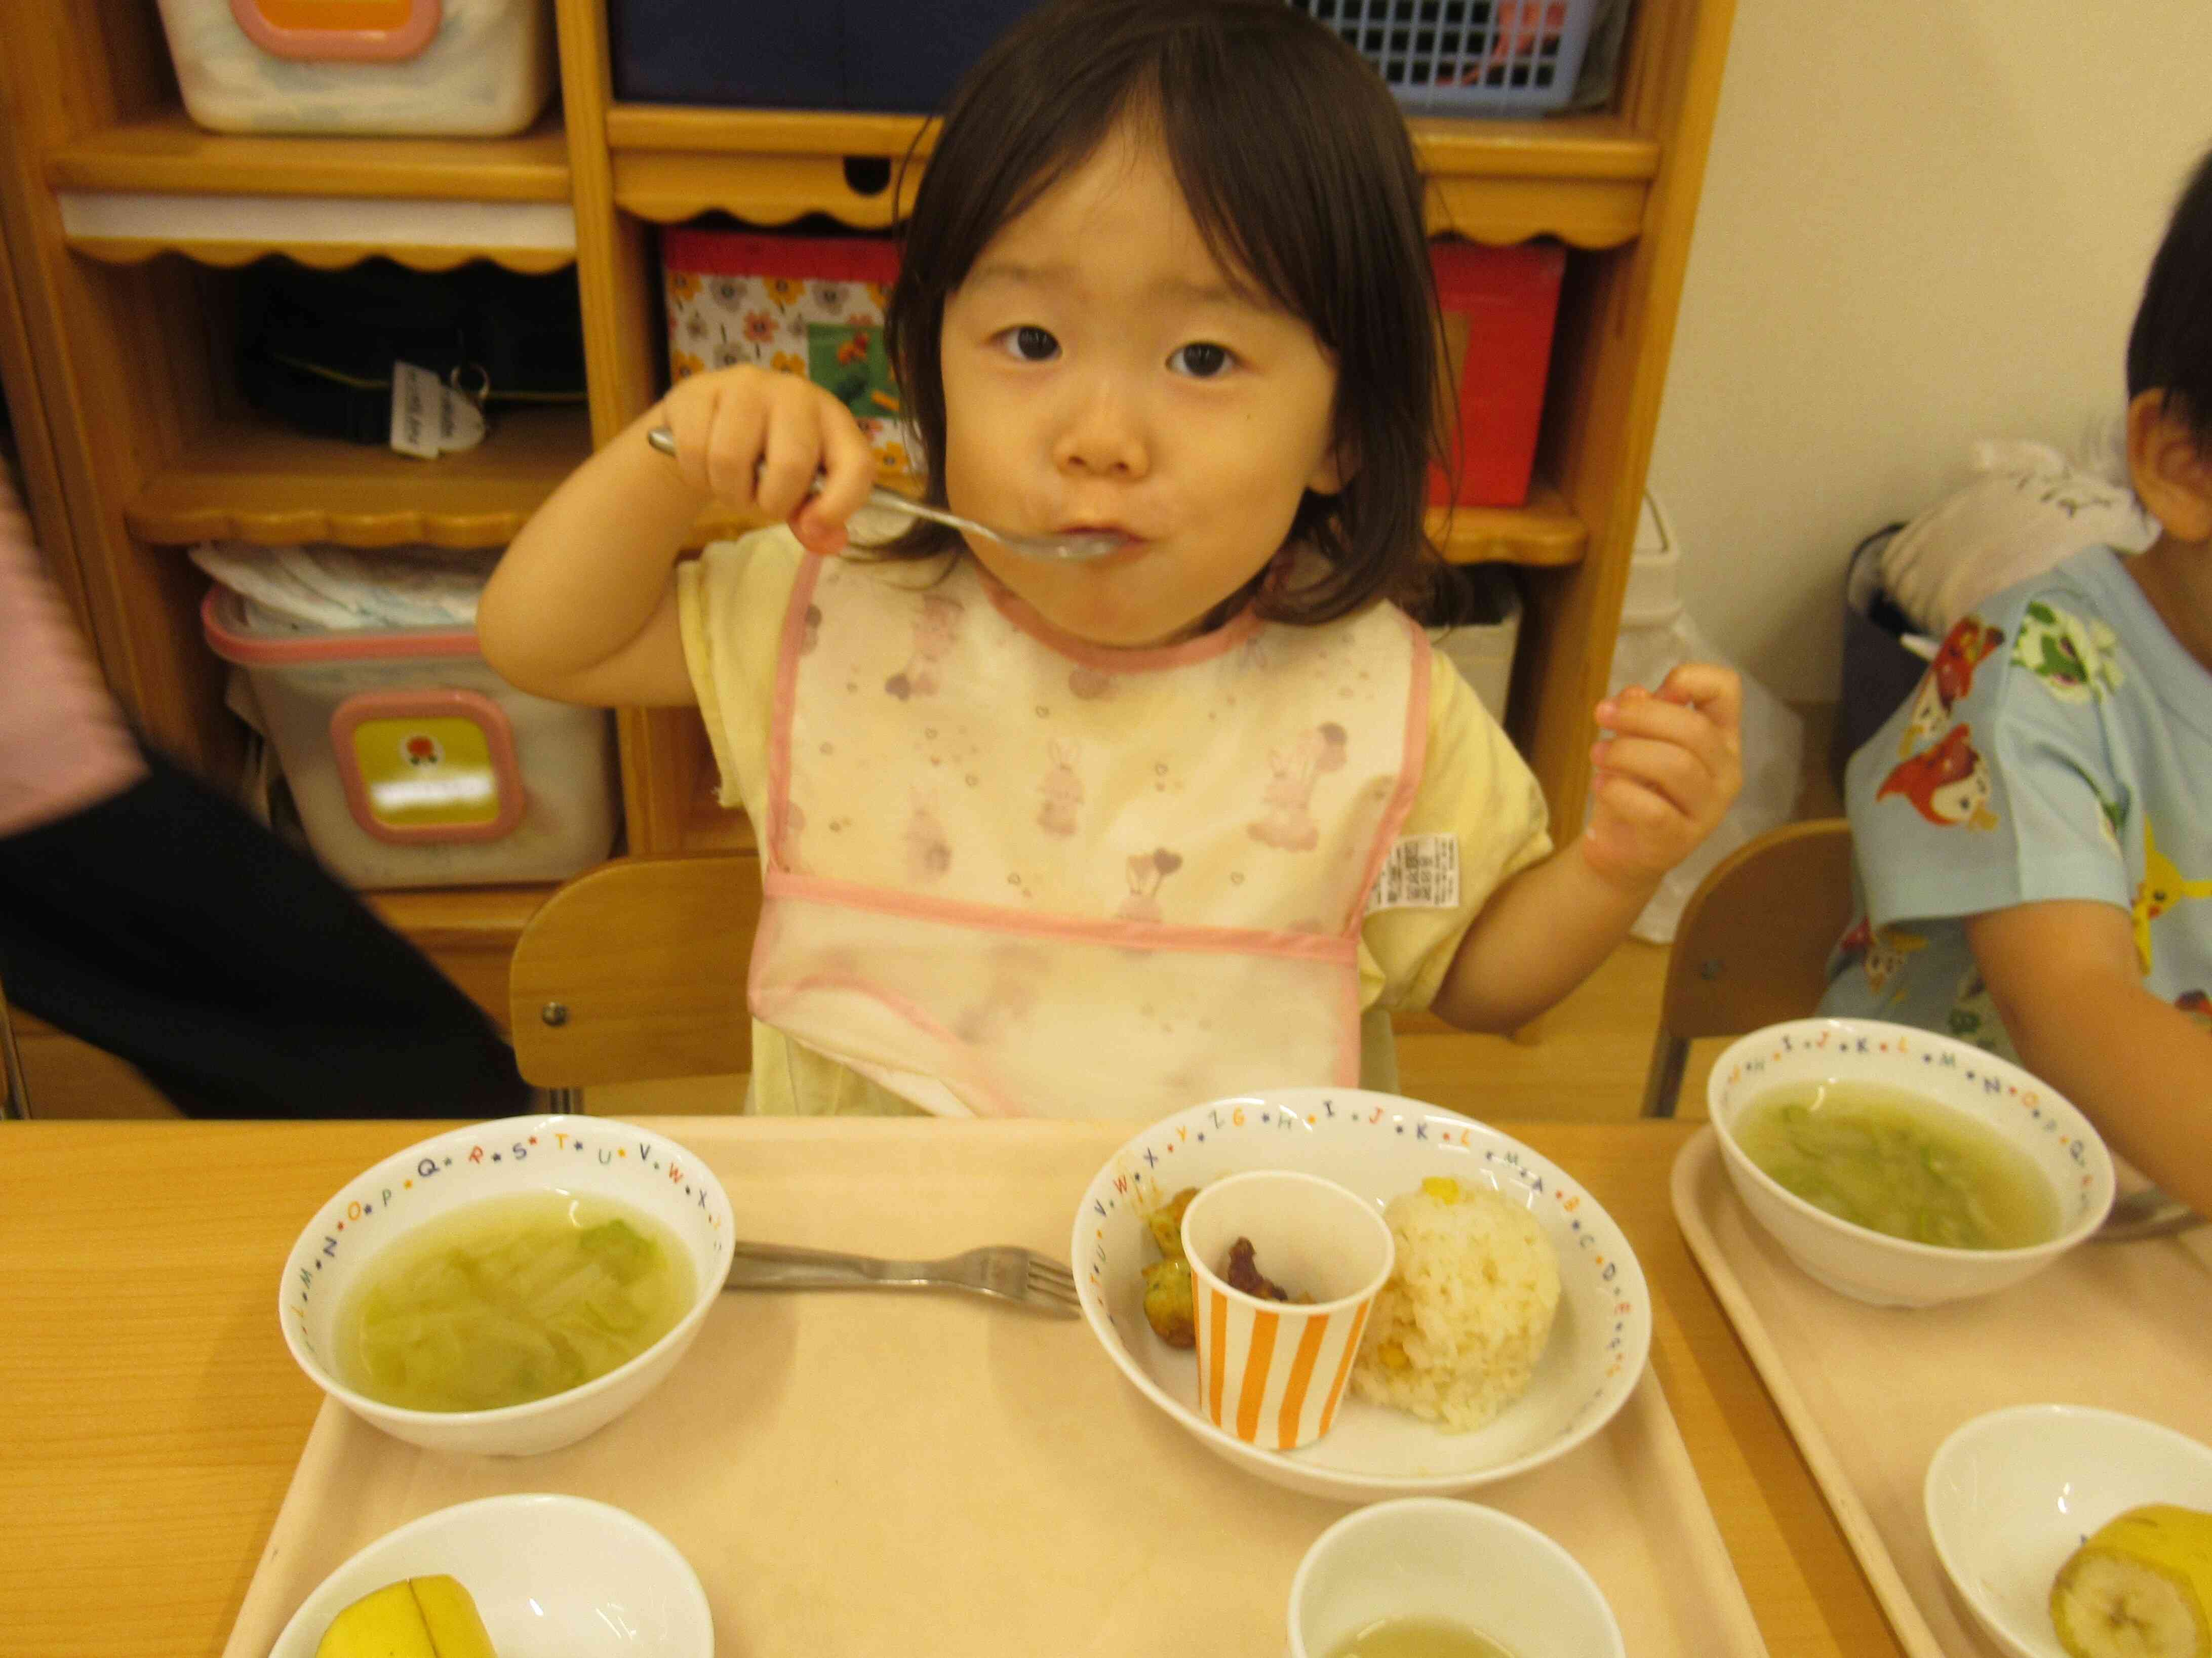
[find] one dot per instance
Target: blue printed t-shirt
(2059, 747)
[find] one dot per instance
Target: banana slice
(418, 1617)
(2140, 1586)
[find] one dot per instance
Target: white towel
(349, 589)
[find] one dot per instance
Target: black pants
(168, 927)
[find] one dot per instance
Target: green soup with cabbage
(508, 1300)
(1895, 1162)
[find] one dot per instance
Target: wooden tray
(1869, 1392)
(888, 1473)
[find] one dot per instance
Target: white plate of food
(2010, 1496)
(1381, 1147)
(547, 1573)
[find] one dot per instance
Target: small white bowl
(1436, 1556)
(549, 1573)
(587, 1155)
(2010, 1495)
(1378, 1146)
(1869, 1266)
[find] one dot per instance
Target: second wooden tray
(1869, 1392)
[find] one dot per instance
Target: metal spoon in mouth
(1076, 548)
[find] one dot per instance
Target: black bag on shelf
(316, 348)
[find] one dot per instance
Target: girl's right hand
(755, 438)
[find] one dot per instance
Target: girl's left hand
(1667, 775)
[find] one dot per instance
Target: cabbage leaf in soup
(1898, 1163)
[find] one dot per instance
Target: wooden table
(154, 1418)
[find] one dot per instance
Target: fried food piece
(1165, 1223)
(1167, 1306)
(1240, 1272)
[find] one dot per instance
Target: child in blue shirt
(2032, 830)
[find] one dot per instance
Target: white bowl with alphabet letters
(582, 1155)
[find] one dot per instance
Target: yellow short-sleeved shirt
(1474, 786)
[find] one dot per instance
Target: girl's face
(1102, 372)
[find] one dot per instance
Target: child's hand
(1667, 775)
(755, 438)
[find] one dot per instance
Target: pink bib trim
(786, 689)
(1336, 949)
(1409, 773)
(1107, 659)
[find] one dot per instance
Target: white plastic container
(472, 68)
(414, 765)
(1654, 596)
(1658, 636)
(1481, 648)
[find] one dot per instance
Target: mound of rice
(1457, 1331)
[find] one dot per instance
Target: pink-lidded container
(1273, 1372)
(451, 67)
(413, 764)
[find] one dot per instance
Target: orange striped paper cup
(1273, 1372)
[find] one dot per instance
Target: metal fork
(1004, 1272)
(2148, 1213)
(1076, 549)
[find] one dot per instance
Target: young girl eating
(1109, 838)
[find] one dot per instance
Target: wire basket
(1466, 56)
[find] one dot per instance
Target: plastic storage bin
(413, 764)
(456, 67)
(1479, 611)
(811, 305)
(891, 56)
(1499, 304)
(1467, 56)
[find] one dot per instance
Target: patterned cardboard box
(810, 306)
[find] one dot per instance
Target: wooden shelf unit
(243, 479)
(153, 452)
(164, 152)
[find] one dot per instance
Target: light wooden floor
(1588, 1064)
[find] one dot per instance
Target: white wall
(1924, 222)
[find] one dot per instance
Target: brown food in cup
(1240, 1272)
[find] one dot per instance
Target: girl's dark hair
(2170, 347)
(1296, 165)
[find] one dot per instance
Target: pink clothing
(63, 743)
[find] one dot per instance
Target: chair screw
(1706, 970)
(554, 1013)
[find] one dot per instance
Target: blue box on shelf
(888, 56)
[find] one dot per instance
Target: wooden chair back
(1751, 948)
(635, 971)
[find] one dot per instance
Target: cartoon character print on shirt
(1888, 951)
(1087, 684)
(928, 852)
(810, 635)
(1061, 812)
(1948, 678)
(2112, 815)
(2077, 659)
(1973, 1015)
(2163, 886)
(1881, 952)
(1949, 784)
(1287, 824)
(1145, 872)
(936, 627)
